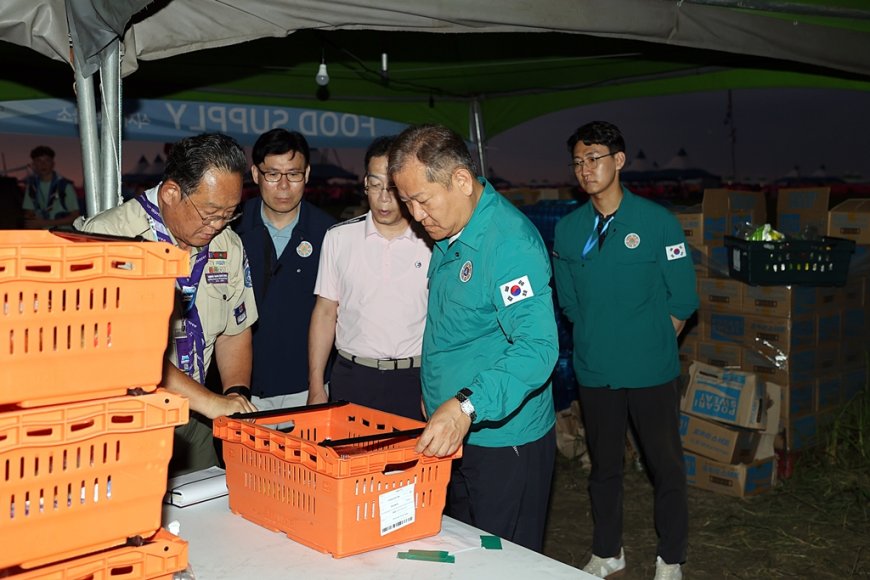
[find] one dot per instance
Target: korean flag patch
(676, 251)
(516, 290)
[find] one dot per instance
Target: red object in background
(785, 463)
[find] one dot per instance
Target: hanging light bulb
(385, 75)
(322, 77)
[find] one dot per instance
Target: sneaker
(667, 571)
(605, 567)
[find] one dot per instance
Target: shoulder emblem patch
(676, 251)
(516, 290)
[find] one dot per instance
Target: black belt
(383, 364)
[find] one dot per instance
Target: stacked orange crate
(85, 436)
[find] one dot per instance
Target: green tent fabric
(517, 59)
(478, 66)
(432, 77)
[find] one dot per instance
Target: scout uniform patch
(240, 313)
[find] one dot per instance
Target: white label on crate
(735, 253)
(397, 509)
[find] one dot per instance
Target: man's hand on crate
(445, 430)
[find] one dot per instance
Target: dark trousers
(505, 491)
(655, 414)
(396, 391)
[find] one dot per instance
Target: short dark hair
(441, 150)
(380, 147)
(192, 157)
(600, 132)
(42, 151)
(278, 142)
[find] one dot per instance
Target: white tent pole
(88, 136)
(477, 134)
(110, 136)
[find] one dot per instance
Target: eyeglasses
(212, 221)
(377, 187)
(275, 176)
(590, 162)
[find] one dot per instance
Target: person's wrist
(465, 404)
(239, 390)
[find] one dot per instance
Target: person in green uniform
(490, 342)
(625, 280)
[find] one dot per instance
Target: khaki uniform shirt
(224, 299)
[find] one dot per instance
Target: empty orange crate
(330, 498)
(82, 319)
(82, 477)
(158, 559)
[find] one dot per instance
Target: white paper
(396, 509)
(196, 487)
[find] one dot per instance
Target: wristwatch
(465, 403)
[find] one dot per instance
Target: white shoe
(605, 567)
(667, 571)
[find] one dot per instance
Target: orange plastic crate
(158, 559)
(83, 477)
(328, 498)
(82, 319)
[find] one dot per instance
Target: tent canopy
(523, 60)
(527, 59)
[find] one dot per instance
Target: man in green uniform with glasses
(490, 342)
(625, 280)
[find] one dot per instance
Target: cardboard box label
(734, 480)
(850, 219)
(717, 441)
(733, 397)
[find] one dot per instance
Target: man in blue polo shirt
(490, 341)
(626, 282)
(283, 235)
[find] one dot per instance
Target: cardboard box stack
(729, 423)
(85, 435)
(720, 212)
(811, 340)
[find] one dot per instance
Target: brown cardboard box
(691, 219)
(720, 294)
(799, 399)
(719, 354)
(735, 480)
(724, 209)
(733, 397)
(850, 219)
(710, 261)
(799, 365)
(772, 334)
(802, 208)
(717, 441)
(787, 301)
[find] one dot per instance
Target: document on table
(196, 487)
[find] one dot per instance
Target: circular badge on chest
(632, 241)
(466, 271)
(304, 249)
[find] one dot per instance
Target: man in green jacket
(490, 342)
(626, 282)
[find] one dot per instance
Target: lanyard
(194, 340)
(596, 235)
